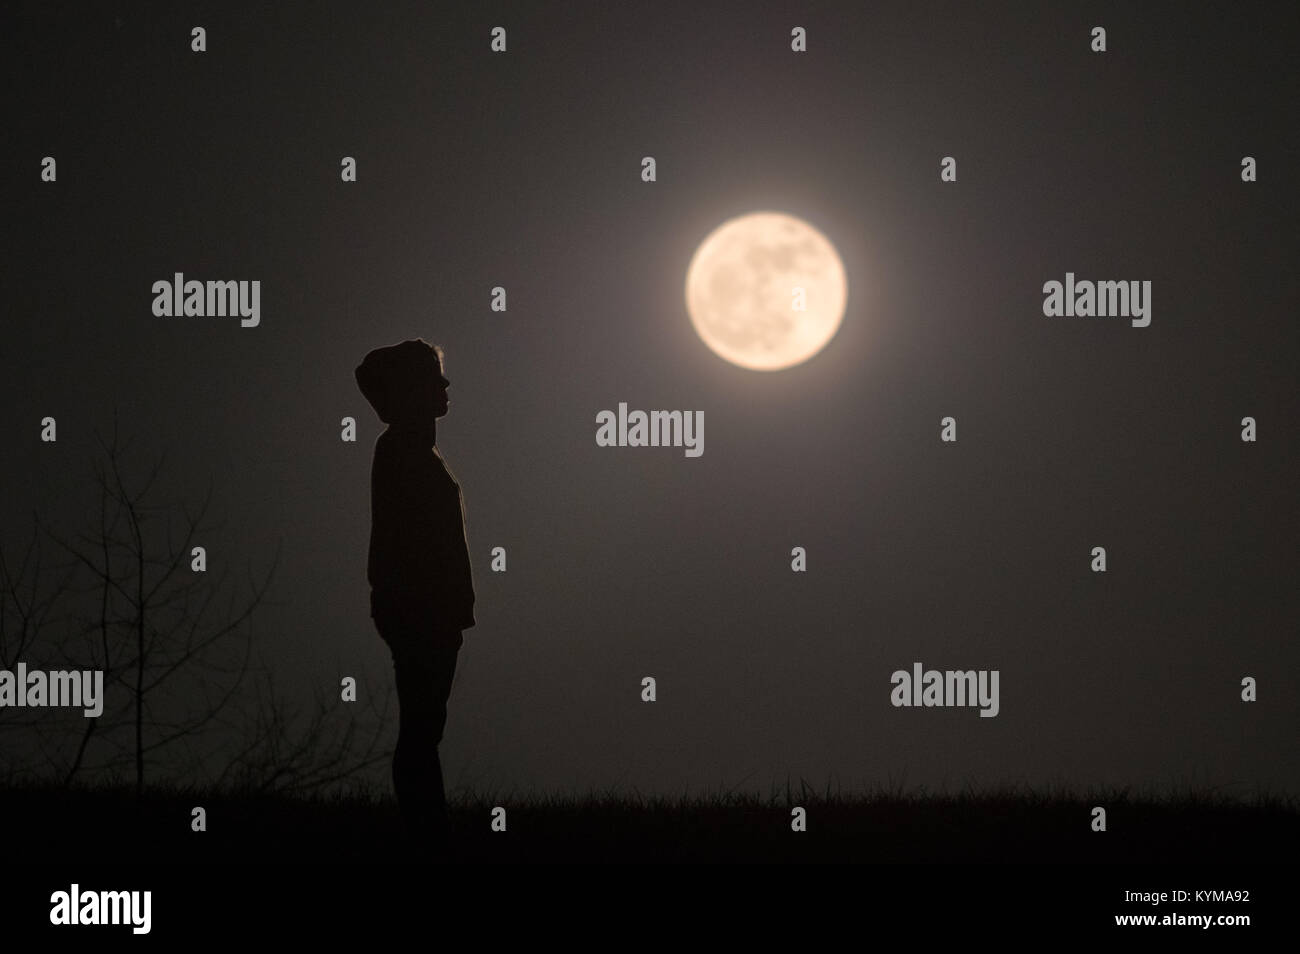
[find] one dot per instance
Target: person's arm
(454, 578)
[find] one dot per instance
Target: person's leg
(442, 673)
(424, 671)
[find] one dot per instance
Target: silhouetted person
(422, 589)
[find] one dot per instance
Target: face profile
(430, 396)
(441, 401)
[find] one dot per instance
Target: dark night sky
(523, 170)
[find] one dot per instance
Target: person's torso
(418, 547)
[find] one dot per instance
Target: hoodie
(418, 564)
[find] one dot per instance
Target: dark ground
(1010, 826)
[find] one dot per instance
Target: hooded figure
(421, 585)
(418, 566)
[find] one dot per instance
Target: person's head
(405, 383)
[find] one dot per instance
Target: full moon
(766, 291)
